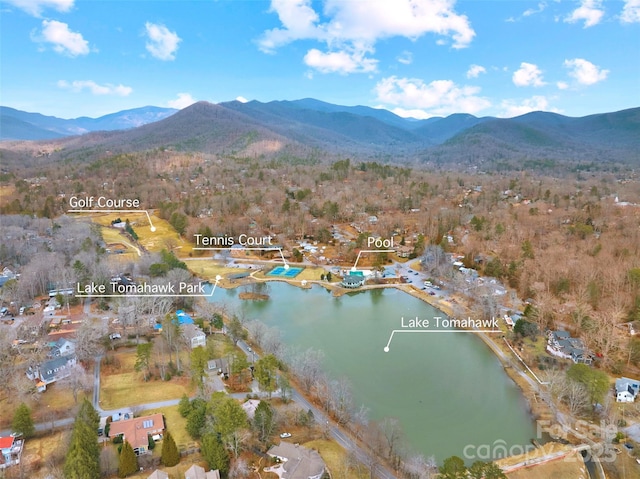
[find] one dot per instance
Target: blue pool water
(284, 272)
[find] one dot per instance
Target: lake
(447, 390)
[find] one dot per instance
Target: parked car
(285, 435)
(114, 336)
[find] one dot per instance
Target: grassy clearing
(6, 194)
(164, 237)
(335, 457)
(571, 467)
(209, 270)
(55, 402)
(124, 386)
(42, 450)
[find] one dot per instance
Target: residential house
(10, 451)
(220, 365)
(158, 474)
(627, 389)
(51, 371)
(62, 347)
(561, 344)
(404, 251)
(136, 431)
(298, 461)
(198, 472)
(250, 407)
(194, 335)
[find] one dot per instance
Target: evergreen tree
(453, 468)
(128, 461)
(263, 422)
(197, 418)
(88, 414)
(214, 453)
(265, 373)
(83, 456)
(184, 406)
(23, 422)
(170, 455)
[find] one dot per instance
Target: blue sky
(418, 58)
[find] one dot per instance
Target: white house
(62, 347)
(298, 461)
(194, 335)
(51, 371)
(627, 389)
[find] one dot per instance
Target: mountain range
(21, 125)
(308, 125)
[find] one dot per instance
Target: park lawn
(175, 424)
(334, 456)
(209, 270)
(124, 386)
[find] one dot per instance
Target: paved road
(321, 418)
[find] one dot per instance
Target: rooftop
(137, 430)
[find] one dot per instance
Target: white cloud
(354, 27)
(162, 43)
(511, 108)
(340, 62)
(406, 58)
(630, 12)
(35, 7)
(528, 75)
(64, 41)
(585, 72)
(562, 85)
(475, 70)
(533, 11)
(242, 99)
(440, 97)
(184, 100)
(589, 10)
(96, 89)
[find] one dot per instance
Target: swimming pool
(290, 272)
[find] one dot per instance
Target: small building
(136, 431)
(183, 318)
(299, 462)
(194, 335)
(220, 365)
(158, 474)
(198, 472)
(250, 407)
(352, 281)
(627, 389)
(62, 347)
(10, 451)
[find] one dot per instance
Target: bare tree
(239, 469)
(89, 338)
(78, 380)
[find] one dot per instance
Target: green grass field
(124, 386)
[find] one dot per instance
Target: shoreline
(537, 408)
